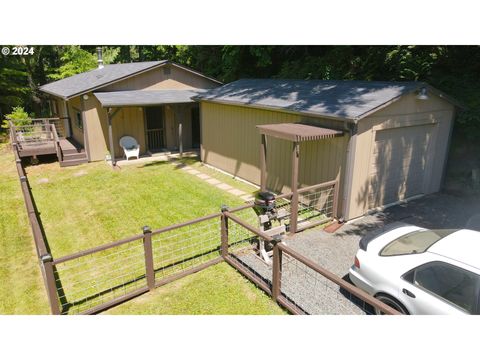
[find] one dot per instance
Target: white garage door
(398, 165)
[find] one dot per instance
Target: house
(146, 100)
(382, 141)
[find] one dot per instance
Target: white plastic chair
(130, 147)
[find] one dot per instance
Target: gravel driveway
(336, 251)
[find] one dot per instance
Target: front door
(155, 119)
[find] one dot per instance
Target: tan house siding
(159, 78)
(130, 120)
(422, 148)
(231, 142)
(96, 118)
(75, 106)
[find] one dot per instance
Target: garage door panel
(398, 164)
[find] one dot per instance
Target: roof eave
(68, 97)
(111, 105)
(273, 108)
(52, 93)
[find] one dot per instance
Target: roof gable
(98, 78)
(351, 100)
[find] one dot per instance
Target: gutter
(272, 108)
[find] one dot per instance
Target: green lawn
(89, 205)
(227, 179)
(216, 290)
(21, 285)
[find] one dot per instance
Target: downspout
(347, 189)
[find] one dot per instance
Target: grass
(21, 284)
(89, 205)
(218, 289)
(229, 180)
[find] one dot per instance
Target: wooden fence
(93, 280)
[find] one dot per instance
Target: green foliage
(18, 116)
(74, 60)
(452, 69)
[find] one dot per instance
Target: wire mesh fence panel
(186, 247)
(304, 288)
(316, 205)
(95, 279)
(247, 215)
(243, 247)
(240, 239)
(36, 133)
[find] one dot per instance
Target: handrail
(57, 142)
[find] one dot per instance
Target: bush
(18, 117)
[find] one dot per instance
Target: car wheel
(392, 302)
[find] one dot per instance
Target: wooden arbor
(296, 133)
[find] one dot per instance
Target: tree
(74, 60)
(18, 117)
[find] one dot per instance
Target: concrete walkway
(215, 182)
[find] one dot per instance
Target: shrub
(18, 117)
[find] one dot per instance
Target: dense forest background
(452, 69)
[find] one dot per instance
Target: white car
(420, 271)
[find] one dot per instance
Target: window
(453, 284)
(415, 242)
(78, 120)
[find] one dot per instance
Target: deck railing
(39, 131)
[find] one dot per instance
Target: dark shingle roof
(78, 84)
(338, 99)
(146, 97)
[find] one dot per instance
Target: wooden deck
(34, 149)
(42, 137)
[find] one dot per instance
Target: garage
(399, 163)
(394, 144)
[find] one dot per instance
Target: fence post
(276, 271)
(147, 246)
(224, 232)
(335, 200)
(180, 140)
(294, 200)
(51, 284)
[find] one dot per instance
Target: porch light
(422, 94)
(85, 97)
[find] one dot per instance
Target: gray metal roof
(146, 97)
(337, 99)
(81, 83)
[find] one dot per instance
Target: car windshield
(415, 242)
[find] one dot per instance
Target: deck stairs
(72, 153)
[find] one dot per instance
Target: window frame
(410, 276)
(78, 120)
